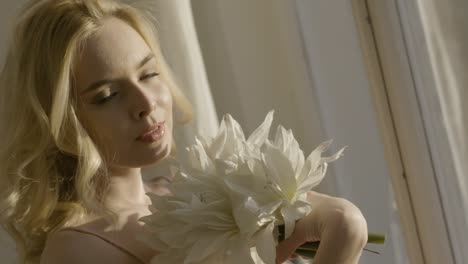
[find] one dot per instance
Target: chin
(159, 156)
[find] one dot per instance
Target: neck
(126, 190)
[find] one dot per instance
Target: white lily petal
(260, 134)
(265, 244)
(256, 258)
(298, 210)
(217, 147)
(206, 142)
(227, 140)
(206, 245)
(247, 215)
(196, 157)
(313, 160)
(256, 167)
(238, 251)
(213, 259)
(249, 175)
(289, 222)
(279, 170)
(268, 210)
(224, 167)
(238, 188)
(174, 169)
(313, 179)
(335, 156)
(235, 129)
(295, 154)
(324, 146)
(282, 138)
(159, 202)
(206, 165)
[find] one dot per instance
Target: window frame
(393, 43)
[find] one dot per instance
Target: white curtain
(181, 49)
(446, 31)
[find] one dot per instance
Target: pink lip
(153, 132)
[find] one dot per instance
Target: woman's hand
(339, 226)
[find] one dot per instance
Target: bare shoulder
(72, 247)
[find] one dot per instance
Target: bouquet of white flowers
(228, 202)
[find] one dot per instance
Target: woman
(84, 83)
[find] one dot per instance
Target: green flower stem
(376, 238)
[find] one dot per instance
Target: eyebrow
(100, 83)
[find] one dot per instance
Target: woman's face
(121, 95)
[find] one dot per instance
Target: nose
(142, 113)
(143, 103)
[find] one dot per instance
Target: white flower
(197, 225)
(232, 194)
(284, 157)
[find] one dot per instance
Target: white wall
(8, 10)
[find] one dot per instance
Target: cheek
(103, 129)
(165, 98)
(166, 102)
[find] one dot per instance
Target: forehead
(115, 48)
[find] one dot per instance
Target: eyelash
(145, 77)
(150, 75)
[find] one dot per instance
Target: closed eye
(148, 76)
(103, 100)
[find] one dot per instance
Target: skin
(142, 98)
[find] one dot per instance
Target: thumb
(286, 248)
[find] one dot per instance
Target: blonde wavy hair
(51, 171)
